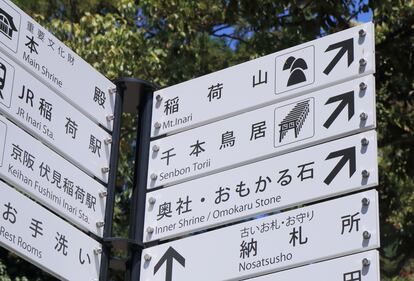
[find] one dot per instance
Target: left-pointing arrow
(346, 99)
(170, 255)
(348, 155)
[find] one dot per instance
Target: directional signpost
(39, 110)
(288, 129)
(56, 65)
(277, 183)
(359, 267)
(42, 238)
(318, 232)
(59, 136)
(38, 171)
(291, 128)
(301, 69)
(304, 121)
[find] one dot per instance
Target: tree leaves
(168, 42)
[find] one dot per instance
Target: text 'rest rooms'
(26, 248)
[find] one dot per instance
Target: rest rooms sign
(350, 268)
(320, 116)
(55, 64)
(331, 229)
(35, 169)
(304, 68)
(321, 171)
(38, 109)
(45, 240)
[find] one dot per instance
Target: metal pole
(113, 169)
(145, 92)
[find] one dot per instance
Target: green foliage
(167, 42)
(15, 269)
(70, 10)
(395, 97)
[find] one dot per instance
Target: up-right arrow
(346, 99)
(348, 155)
(347, 46)
(170, 255)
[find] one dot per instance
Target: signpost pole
(113, 168)
(144, 90)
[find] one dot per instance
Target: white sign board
(274, 184)
(55, 64)
(39, 110)
(301, 69)
(50, 179)
(348, 268)
(301, 122)
(45, 240)
(327, 230)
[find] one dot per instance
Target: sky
(365, 17)
(362, 17)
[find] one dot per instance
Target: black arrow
(346, 99)
(347, 46)
(348, 155)
(169, 257)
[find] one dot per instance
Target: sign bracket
(110, 196)
(125, 245)
(133, 96)
(143, 141)
(126, 90)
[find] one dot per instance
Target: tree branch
(220, 28)
(231, 37)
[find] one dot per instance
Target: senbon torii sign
(56, 65)
(318, 232)
(301, 69)
(304, 121)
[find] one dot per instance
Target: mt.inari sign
(301, 69)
